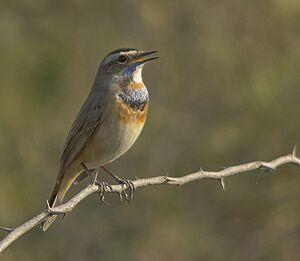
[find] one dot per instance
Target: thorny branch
(15, 233)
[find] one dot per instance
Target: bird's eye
(122, 59)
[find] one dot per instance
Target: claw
(127, 183)
(222, 183)
(128, 186)
(102, 186)
(120, 196)
(131, 189)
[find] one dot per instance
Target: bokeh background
(225, 91)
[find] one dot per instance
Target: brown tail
(56, 199)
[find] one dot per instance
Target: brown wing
(87, 121)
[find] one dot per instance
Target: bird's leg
(102, 185)
(115, 177)
(128, 183)
(84, 174)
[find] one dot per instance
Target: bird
(108, 123)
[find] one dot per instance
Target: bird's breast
(118, 131)
(128, 114)
(134, 95)
(128, 118)
(132, 104)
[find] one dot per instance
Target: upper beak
(142, 57)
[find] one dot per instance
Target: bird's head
(126, 63)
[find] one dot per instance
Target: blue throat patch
(129, 70)
(135, 98)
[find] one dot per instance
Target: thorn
(202, 171)
(136, 178)
(166, 177)
(294, 151)
(48, 205)
(52, 212)
(222, 183)
(95, 178)
(7, 229)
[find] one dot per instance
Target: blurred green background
(225, 91)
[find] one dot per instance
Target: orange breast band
(127, 115)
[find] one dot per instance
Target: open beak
(142, 57)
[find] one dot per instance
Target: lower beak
(142, 57)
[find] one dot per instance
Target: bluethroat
(109, 121)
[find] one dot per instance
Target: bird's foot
(128, 184)
(128, 191)
(103, 186)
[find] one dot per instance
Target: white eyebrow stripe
(114, 56)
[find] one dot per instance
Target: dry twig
(15, 233)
